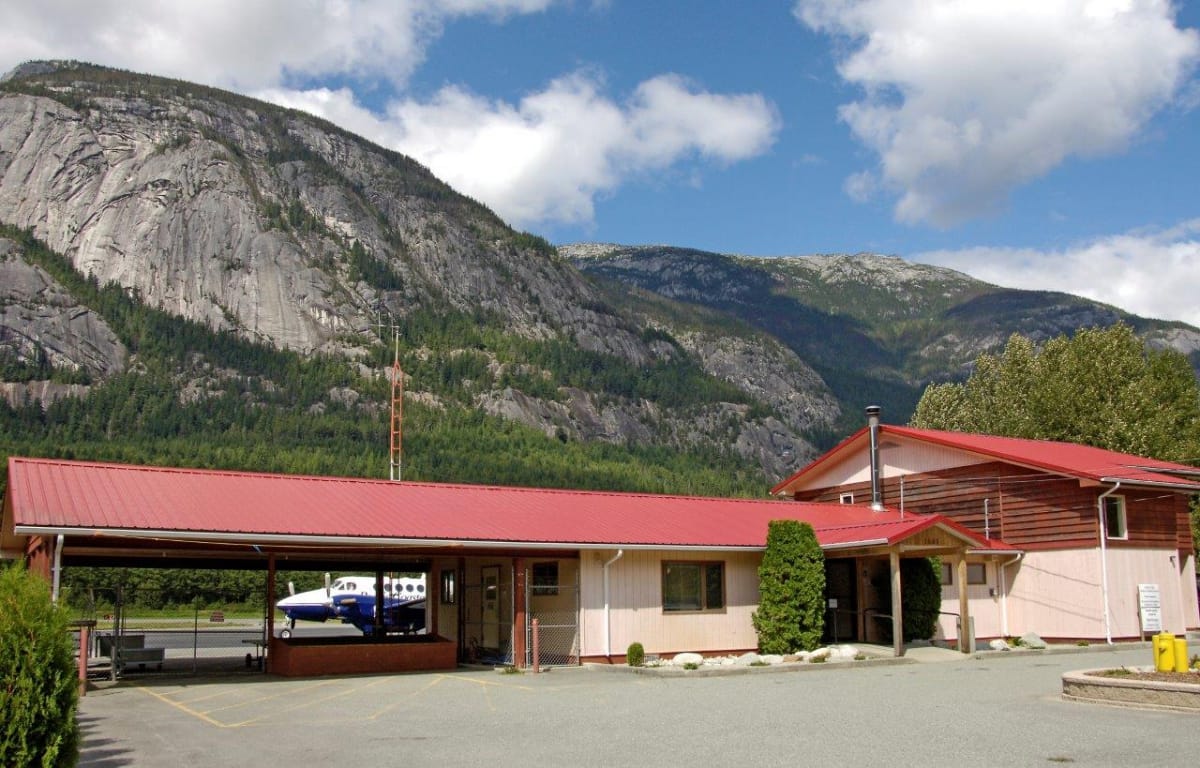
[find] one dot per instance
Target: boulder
(820, 654)
(746, 659)
(842, 652)
(1031, 640)
(771, 658)
(682, 659)
(999, 645)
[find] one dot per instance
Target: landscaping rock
(771, 658)
(687, 658)
(843, 652)
(999, 645)
(746, 659)
(1031, 640)
(794, 657)
(820, 653)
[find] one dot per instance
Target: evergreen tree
(791, 584)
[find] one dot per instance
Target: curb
(667, 671)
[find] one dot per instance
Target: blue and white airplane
(351, 599)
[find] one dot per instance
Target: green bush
(39, 684)
(635, 656)
(791, 584)
(920, 596)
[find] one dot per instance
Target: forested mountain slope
(189, 276)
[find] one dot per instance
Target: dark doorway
(841, 601)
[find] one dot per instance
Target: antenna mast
(396, 439)
(397, 442)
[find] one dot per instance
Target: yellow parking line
(436, 681)
(182, 707)
(313, 702)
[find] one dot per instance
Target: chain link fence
(557, 615)
(220, 636)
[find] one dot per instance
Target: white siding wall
(1057, 593)
(896, 457)
(635, 602)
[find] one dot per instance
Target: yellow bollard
(1164, 652)
(1181, 656)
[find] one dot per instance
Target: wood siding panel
(1025, 507)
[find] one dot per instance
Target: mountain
(875, 328)
(274, 228)
(191, 276)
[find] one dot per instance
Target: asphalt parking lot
(996, 711)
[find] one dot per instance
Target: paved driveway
(991, 712)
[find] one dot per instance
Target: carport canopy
(88, 513)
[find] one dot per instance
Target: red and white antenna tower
(396, 438)
(396, 459)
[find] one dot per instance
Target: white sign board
(1150, 608)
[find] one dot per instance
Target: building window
(976, 573)
(689, 586)
(1114, 517)
(847, 498)
(545, 578)
(449, 583)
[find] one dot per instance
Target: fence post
(536, 649)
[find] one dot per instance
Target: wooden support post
(85, 644)
(518, 627)
(536, 648)
(378, 623)
(433, 596)
(964, 628)
(897, 607)
(270, 612)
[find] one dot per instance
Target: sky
(1043, 144)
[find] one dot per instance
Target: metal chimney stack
(873, 412)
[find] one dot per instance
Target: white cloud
(238, 44)
(548, 157)
(964, 101)
(1152, 274)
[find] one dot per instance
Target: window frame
(705, 568)
(449, 586)
(846, 498)
(1117, 504)
(540, 581)
(977, 574)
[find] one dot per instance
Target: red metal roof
(1069, 459)
(51, 496)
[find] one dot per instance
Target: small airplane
(351, 599)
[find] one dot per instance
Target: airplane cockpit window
(420, 587)
(408, 587)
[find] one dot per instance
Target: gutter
(58, 548)
(1104, 559)
(1004, 591)
(268, 539)
(607, 624)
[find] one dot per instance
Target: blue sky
(1047, 144)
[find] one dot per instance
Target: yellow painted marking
(486, 683)
(182, 707)
(286, 692)
(436, 681)
(313, 702)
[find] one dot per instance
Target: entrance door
(490, 608)
(841, 606)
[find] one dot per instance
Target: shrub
(921, 596)
(635, 656)
(791, 583)
(691, 665)
(38, 679)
